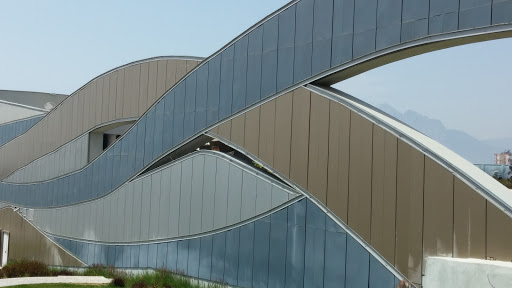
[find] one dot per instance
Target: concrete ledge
(59, 279)
(463, 273)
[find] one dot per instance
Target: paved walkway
(59, 279)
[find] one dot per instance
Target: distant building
(504, 158)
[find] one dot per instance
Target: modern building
(237, 168)
(503, 158)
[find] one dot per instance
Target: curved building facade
(246, 168)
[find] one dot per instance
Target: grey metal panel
(358, 265)
(205, 257)
(335, 255)
(221, 194)
(145, 208)
(365, 15)
(388, 36)
(118, 262)
(179, 114)
(322, 34)
(182, 262)
(190, 105)
(302, 63)
(379, 275)
(249, 186)
(201, 98)
(155, 195)
(415, 10)
(185, 197)
(438, 7)
(246, 255)
(196, 202)
(128, 212)
(341, 49)
(121, 205)
(150, 135)
(475, 17)
(218, 257)
(234, 195)
(467, 4)
(232, 253)
(254, 61)
(210, 168)
(193, 257)
(364, 42)
(443, 23)
(285, 48)
(240, 74)
(158, 129)
(152, 252)
(164, 202)
(168, 120)
(172, 255)
(100, 220)
(389, 12)
(278, 196)
(261, 253)
(174, 205)
(137, 210)
(112, 232)
(415, 29)
(501, 12)
(143, 256)
(263, 196)
(314, 257)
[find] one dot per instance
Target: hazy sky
(57, 46)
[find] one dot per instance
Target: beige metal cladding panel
(153, 74)
(225, 130)
(252, 130)
(499, 234)
(300, 137)
(318, 147)
(161, 78)
(360, 183)
(99, 101)
(92, 106)
(87, 105)
(134, 102)
(75, 125)
(215, 130)
(143, 88)
(181, 69)
(191, 64)
(283, 134)
(267, 128)
(409, 211)
(468, 222)
(127, 88)
(438, 211)
(170, 78)
(384, 193)
(120, 93)
(105, 98)
(112, 94)
(238, 130)
(68, 132)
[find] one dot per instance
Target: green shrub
(25, 268)
(118, 282)
(140, 284)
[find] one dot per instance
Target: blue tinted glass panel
(172, 256)
(302, 62)
(205, 257)
(134, 255)
(285, 48)
(218, 257)
(254, 52)
(240, 74)
(168, 120)
(245, 266)
(415, 10)
(357, 265)
(295, 244)
(193, 257)
(389, 12)
(269, 57)
(201, 97)
(139, 150)
(179, 113)
(261, 253)
(152, 258)
(212, 114)
(388, 36)
(365, 15)
(502, 12)
(159, 129)
(231, 262)
(226, 82)
(379, 275)
(364, 43)
(161, 255)
(143, 256)
(304, 27)
(119, 256)
(297, 213)
(111, 256)
(190, 105)
(438, 7)
(443, 23)
(335, 255)
(343, 17)
(150, 134)
(182, 265)
(475, 17)
(322, 34)
(314, 257)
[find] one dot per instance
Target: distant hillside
(474, 150)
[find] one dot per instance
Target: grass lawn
(61, 285)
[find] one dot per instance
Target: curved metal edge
(24, 106)
(476, 184)
(44, 234)
(317, 202)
